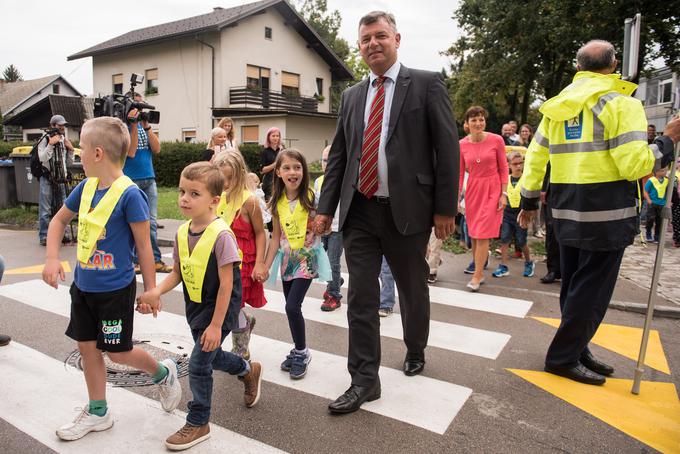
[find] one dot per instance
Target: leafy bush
(6, 147)
(174, 157)
(251, 154)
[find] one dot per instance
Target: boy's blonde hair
(206, 173)
(239, 169)
(111, 135)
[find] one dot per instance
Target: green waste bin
(8, 186)
(27, 186)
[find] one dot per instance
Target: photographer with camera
(139, 167)
(55, 152)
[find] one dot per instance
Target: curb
(659, 311)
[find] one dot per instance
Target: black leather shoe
(550, 277)
(588, 360)
(579, 373)
(413, 366)
(4, 340)
(353, 398)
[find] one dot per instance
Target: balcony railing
(270, 99)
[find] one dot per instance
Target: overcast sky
(38, 36)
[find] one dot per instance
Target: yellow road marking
(625, 340)
(37, 269)
(652, 417)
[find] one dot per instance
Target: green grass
(452, 245)
(167, 204)
(537, 247)
(23, 215)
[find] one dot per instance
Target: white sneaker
(170, 389)
(83, 424)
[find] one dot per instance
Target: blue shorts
(511, 228)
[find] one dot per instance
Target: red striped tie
(368, 170)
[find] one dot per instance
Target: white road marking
(40, 393)
(420, 401)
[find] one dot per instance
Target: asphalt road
(496, 411)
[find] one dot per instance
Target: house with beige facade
(259, 63)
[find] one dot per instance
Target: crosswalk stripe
(494, 304)
(448, 336)
(403, 398)
(39, 394)
(500, 305)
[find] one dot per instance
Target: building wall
(287, 51)
(657, 114)
(310, 135)
(184, 81)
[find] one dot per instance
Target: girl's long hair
(239, 171)
(305, 195)
(213, 133)
(231, 135)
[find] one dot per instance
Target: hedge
(6, 147)
(174, 156)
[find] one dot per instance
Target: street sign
(631, 47)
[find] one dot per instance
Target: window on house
(189, 135)
(319, 86)
(250, 134)
(257, 78)
(665, 90)
(55, 89)
(290, 84)
(151, 81)
(267, 33)
(117, 83)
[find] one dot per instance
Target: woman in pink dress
(482, 155)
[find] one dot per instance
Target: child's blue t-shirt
(653, 194)
(110, 267)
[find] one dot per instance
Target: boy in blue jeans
(510, 227)
(113, 219)
(655, 195)
(207, 264)
(332, 243)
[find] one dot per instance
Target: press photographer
(55, 152)
(139, 167)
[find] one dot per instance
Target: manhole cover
(159, 346)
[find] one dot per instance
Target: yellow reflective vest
(594, 135)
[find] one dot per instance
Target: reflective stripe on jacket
(594, 135)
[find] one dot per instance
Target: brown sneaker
(187, 436)
(161, 267)
(251, 383)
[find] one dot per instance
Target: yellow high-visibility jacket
(595, 136)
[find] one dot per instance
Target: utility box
(27, 186)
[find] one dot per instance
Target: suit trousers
(552, 247)
(588, 281)
(369, 233)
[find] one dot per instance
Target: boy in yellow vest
(113, 218)
(655, 194)
(207, 264)
(510, 228)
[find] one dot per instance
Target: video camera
(119, 105)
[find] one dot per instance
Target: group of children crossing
(220, 258)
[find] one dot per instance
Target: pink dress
(487, 165)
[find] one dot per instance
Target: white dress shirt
(389, 83)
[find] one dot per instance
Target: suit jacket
(422, 152)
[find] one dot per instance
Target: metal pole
(665, 215)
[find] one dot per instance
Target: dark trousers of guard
(588, 281)
(369, 233)
(552, 247)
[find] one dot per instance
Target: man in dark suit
(393, 167)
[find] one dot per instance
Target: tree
(327, 24)
(511, 59)
(11, 74)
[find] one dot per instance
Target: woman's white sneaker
(83, 424)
